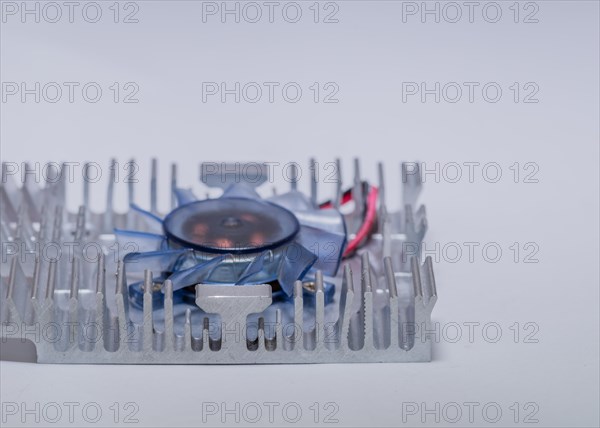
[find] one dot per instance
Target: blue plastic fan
(237, 239)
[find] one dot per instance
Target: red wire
(370, 218)
(346, 197)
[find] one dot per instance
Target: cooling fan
(237, 278)
(236, 239)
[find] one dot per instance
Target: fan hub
(231, 225)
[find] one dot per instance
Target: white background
(368, 54)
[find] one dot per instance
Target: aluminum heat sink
(238, 279)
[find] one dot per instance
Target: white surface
(369, 53)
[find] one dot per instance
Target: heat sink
(70, 287)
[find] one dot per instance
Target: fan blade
(240, 190)
(132, 241)
(184, 196)
(295, 263)
(156, 261)
(327, 246)
(257, 271)
(196, 274)
(151, 221)
(329, 220)
(292, 200)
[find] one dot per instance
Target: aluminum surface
(75, 308)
